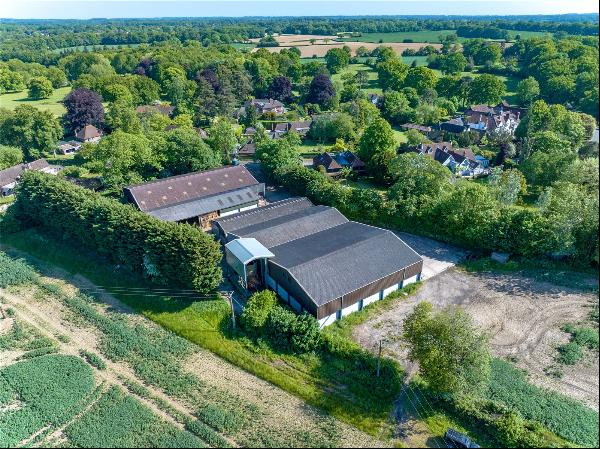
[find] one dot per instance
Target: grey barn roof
(328, 255)
(281, 208)
(293, 226)
(337, 261)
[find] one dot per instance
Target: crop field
(169, 391)
(414, 36)
(308, 50)
(52, 104)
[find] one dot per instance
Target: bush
(177, 254)
(14, 271)
(296, 333)
(586, 337)
(257, 310)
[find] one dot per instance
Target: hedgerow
(565, 417)
(119, 420)
(177, 254)
(51, 387)
(14, 271)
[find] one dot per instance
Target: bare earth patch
(523, 317)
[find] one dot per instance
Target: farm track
(279, 412)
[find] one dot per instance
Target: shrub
(257, 310)
(296, 333)
(178, 254)
(586, 337)
(14, 271)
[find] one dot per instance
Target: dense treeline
(40, 41)
(167, 253)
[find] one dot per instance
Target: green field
(415, 36)
(52, 104)
(95, 47)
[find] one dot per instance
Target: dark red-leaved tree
(321, 90)
(84, 107)
(211, 77)
(280, 88)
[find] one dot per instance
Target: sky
(85, 9)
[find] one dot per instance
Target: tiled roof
(12, 174)
(181, 189)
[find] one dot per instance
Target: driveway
(437, 256)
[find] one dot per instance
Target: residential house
(9, 177)
(266, 105)
(333, 163)
(69, 147)
(460, 161)
(455, 126)
(301, 127)
(486, 119)
(163, 109)
(88, 134)
(314, 258)
(199, 197)
(422, 129)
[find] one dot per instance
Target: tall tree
(377, 147)
(453, 355)
(40, 88)
(84, 107)
(222, 138)
(486, 89)
(280, 89)
(32, 130)
(321, 91)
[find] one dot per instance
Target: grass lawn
(363, 183)
(52, 104)
(421, 60)
(373, 83)
(330, 382)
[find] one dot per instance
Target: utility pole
(230, 300)
(379, 359)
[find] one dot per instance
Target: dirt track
(522, 316)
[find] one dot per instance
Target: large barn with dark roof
(198, 197)
(315, 258)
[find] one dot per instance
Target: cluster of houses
(461, 161)
(486, 119)
(86, 134)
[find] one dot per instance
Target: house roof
(341, 259)
(421, 128)
(198, 191)
(266, 103)
(160, 108)
(335, 161)
(12, 174)
(248, 148)
(248, 249)
(481, 108)
(88, 132)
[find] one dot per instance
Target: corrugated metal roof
(200, 206)
(339, 260)
(246, 250)
(281, 208)
(12, 174)
(293, 226)
(181, 189)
